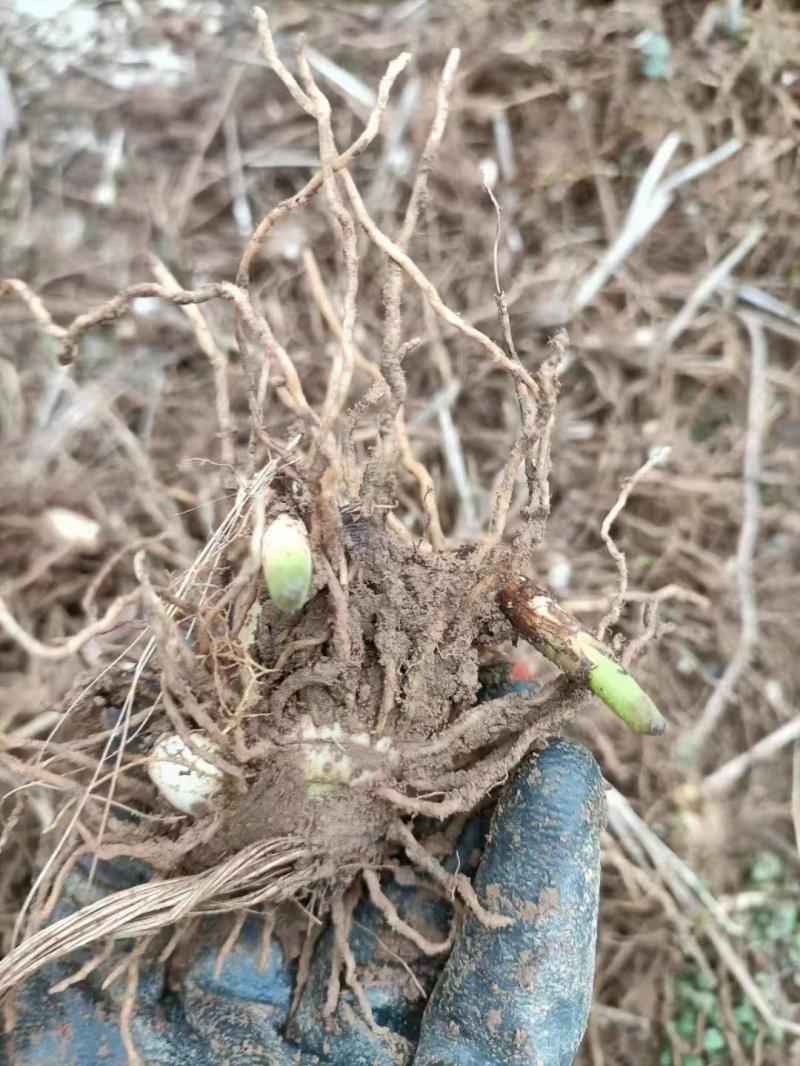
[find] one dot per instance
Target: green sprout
(287, 563)
(561, 638)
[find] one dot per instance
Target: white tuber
(330, 757)
(185, 780)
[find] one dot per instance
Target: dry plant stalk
(319, 721)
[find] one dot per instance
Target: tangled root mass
(328, 726)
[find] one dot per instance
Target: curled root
(382, 902)
(455, 884)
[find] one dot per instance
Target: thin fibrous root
(231, 940)
(259, 873)
(129, 1002)
(84, 971)
(455, 884)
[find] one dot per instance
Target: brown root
(230, 943)
(341, 921)
(97, 959)
(312, 935)
(128, 1004)
(383, 904)
(456, 884)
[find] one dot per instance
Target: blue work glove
(514, 995)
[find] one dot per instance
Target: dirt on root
(412, 668)
(406, 618)
(384, 678)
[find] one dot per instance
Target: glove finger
(238, 1011)
(81, 1023)
(522, 994)
(396, 975)
(396, 998)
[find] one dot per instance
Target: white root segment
(331, 757)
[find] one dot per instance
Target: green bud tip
(287, 563)
(561, 638)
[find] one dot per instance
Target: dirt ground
(645, 156)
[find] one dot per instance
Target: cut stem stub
(561, 638)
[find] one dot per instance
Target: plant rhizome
(329, 725)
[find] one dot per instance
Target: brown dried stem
(323, 301)
(717, 704)
(612, 615)
(359, 146)
(393, 288)
(427, 488)
(342, 372)
(428, 290)
(214, 354)
(527, 408)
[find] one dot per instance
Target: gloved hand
(515, 995)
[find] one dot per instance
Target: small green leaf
(767, 868)
(713, 1040)
(746, 1014)
(706, 1002)
(685, 1025)
(785, 921)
